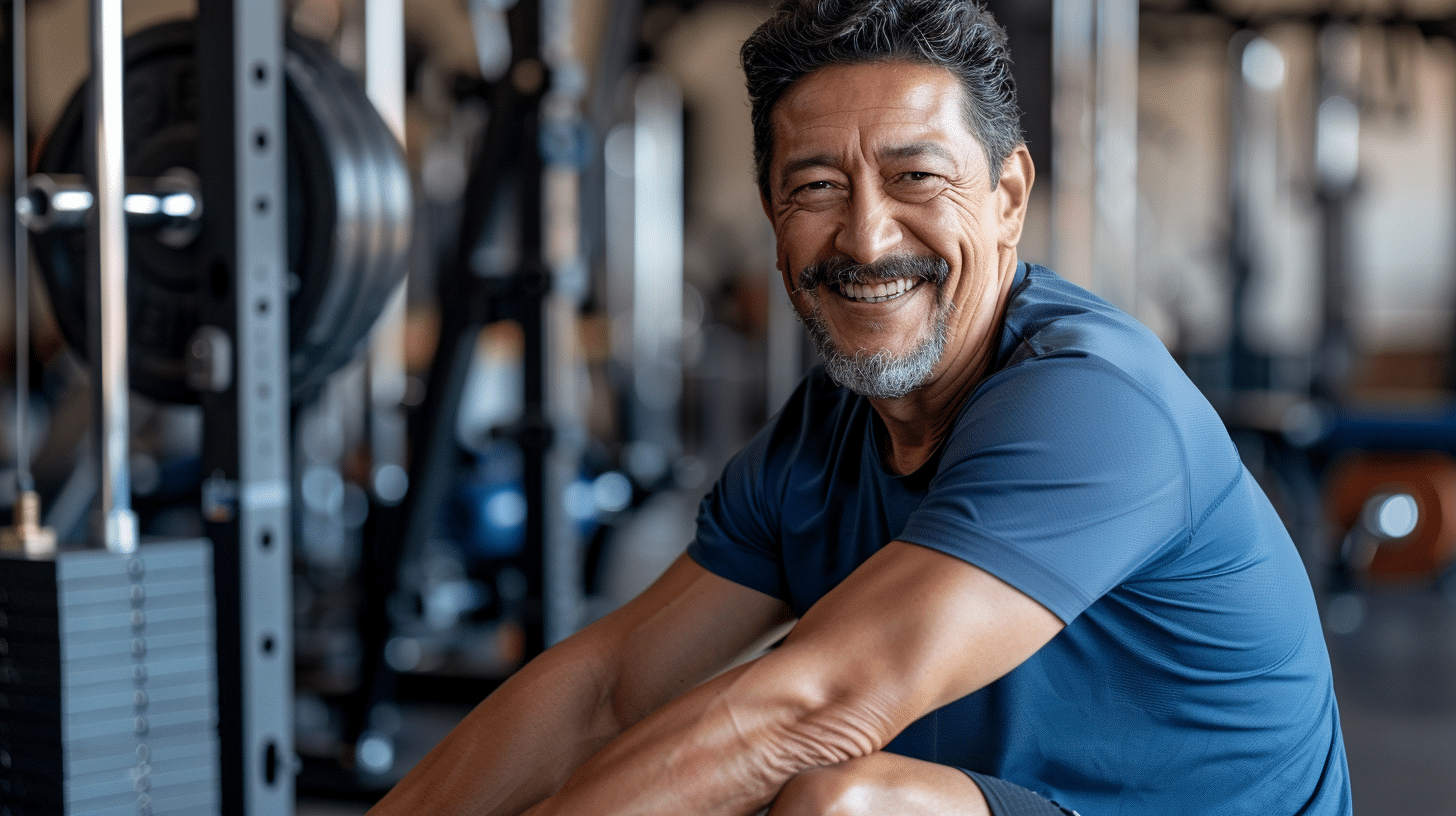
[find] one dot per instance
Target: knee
(833, 791)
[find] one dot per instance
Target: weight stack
(108, 682)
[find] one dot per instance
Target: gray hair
(959, 35)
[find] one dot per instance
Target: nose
(869, 230)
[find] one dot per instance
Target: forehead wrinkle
(810, 162)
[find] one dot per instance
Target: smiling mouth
(877, 292)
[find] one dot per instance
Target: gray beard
(882, 374)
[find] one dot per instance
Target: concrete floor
(1395, 676)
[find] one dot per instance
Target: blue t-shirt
(1088, 472)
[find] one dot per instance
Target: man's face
(893, 243)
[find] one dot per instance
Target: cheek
(964, 238)
(801, 303)
(802, 238)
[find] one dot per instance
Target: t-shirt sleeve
(736, 536)
(1062, 478)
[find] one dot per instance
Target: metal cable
(24, 481)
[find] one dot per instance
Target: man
(1025, 570)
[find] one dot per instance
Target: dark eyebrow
(901, 152)
(915, 150)
(807, 163)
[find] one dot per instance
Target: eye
(916, 186)
(816, 194)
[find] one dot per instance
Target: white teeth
(876, 292)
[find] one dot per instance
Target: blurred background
(574, 339)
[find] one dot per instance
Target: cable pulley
(349, 213)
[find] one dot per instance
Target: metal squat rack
(154, 677)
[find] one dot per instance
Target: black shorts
(1008, 799)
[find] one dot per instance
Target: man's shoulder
(1047, 314)
(1053, 326)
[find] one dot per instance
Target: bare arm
(520, 744)
(909, 631)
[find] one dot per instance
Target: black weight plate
(371, 264)
(383, 186)
(165, 283)
(154, 98)
(357, 216)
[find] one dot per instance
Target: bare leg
(881, 784)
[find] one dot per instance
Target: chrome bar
(170, 203)
(107, 234)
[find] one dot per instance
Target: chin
(881, 374)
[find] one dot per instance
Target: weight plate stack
(108, 682)
(350, 213)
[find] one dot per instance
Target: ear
(1013, 190)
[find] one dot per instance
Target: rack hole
(268, 644)
(219, 279)
(270, 763)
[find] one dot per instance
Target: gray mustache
(842, 270)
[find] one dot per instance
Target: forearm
(724, 749)
(521, 744)
(515, 748)
(847, 680)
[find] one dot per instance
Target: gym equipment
(349, 206)
(108, 686)
(521, 192)
(245, 455)
(1094, 139)
(171, 204)
(1399, 511)
(108, 680)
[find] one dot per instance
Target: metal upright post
(384, 79)
(1256, 73)
(1094, 128)
(240, 79)
(532, 280)
(115, 523)
(657, 274)
(1073, 122)
(563, 148)
(1337, 164)
(1114, 242)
